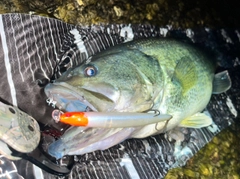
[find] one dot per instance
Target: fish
(142, 75)
(37, 50)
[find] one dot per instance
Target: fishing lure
(108, 119)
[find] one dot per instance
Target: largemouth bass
(149, 74)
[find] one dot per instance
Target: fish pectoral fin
(197, 120)
(221, 83)
(185, 74)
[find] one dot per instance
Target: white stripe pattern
(79, 42)
(7, 63)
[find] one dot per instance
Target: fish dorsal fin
(221, 83)
(185, 74)
(197, 120)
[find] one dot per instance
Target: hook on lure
(108, 119)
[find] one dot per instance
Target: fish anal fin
(221, 83)
(197, 120)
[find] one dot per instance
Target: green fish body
(166, 75)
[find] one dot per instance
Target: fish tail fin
(222, 82)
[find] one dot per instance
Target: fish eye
(90, 71)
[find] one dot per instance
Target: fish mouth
(67, 98)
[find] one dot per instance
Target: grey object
(35, 50)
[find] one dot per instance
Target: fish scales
(139, 76)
